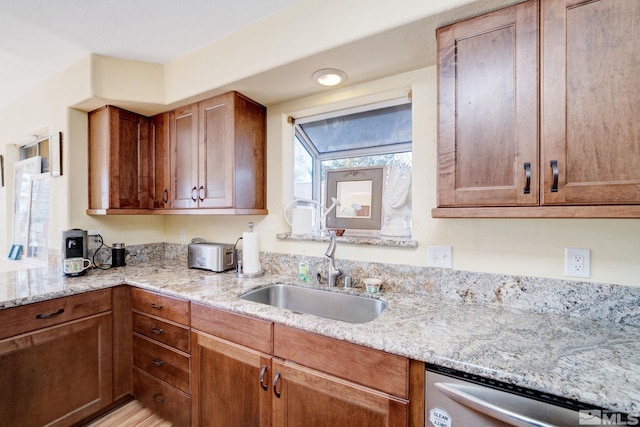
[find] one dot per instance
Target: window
(372, 135)
(31, 201)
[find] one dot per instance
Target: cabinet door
(488, 105)
(216, 183)
(230, 384)
(304, 397)
(119, 159)
(590, 102)
(161, 168)
(183, 129)
(56, 376)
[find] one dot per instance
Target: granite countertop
(595, 362)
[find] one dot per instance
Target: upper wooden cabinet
(488, 82)
(118, 159)
(183, 149)
(218, 154)
(578, 153)
(207, 157)
(590, 102)
(160, 167)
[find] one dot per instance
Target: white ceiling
(39, 38)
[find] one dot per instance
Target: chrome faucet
(333, 273)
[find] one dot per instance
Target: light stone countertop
(595, 362)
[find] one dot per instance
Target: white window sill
(353, 240)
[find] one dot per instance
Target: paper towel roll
(250, 253)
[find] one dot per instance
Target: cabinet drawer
(161, 362)
(253, 333)
(169, 308)
(166, 333)
(372, 368)
(30, 317)
(167, 401)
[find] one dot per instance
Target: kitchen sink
(331, 305)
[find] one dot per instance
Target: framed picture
(14, 253)
(358, 194)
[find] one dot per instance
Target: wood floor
(133, 414)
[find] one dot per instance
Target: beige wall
(511, 246)
(527, 247)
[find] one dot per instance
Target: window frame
(318, 158)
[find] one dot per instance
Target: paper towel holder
(239, 267)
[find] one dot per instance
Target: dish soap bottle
(303, 269)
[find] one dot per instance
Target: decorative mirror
(358, 192)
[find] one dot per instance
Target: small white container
(372, 285)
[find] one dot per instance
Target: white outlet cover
(439, 256)
(577, 262)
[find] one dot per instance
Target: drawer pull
(201, 193)
(157, 362)
(194, 194)
(157, 331)
(158, 307)
(158, 398)
(275, 384)
(527, 174)
(49, 315)
(554, 168)
(262, 372)
(165, 196)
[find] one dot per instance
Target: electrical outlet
(439, 256)
(94, 240)
(182, 235)
(577, 262)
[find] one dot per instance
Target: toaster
(216, 257)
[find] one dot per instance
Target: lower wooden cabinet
(56, 376)
(161, 354)
(169, 402)
(310, 398)
(250, 372)
(231, 383)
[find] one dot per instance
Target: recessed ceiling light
(329, 76)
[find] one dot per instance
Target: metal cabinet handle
(275, 384)
(554, 167)
(194, 194)
(49, 315)
(158, 398)
(201, 193)
(157, 362)
(157, 331)
(527, 174)
(157, 307)
(262, 372)
(165, 196)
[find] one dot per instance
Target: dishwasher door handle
(454, 392)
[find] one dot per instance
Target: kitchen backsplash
(597, 301)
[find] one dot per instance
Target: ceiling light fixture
(329, 76)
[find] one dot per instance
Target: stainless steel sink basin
(331, 305)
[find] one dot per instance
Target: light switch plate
(439, 256)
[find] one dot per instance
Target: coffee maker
(74, 245)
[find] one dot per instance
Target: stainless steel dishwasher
(458, 399)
